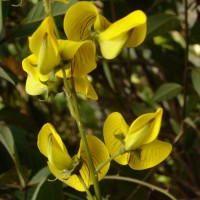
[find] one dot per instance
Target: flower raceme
(136, 145)
(70, 169)
(82, 21)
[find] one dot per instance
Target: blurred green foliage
(163, 71)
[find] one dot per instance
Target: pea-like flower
(70, 169)
(80, 57)
(82, 21)
(44, 45)
(136, 145)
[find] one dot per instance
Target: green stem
(46, 6)
(90, 197)
(48, 11)
(152, 187)
(74, 102)
(110, 159)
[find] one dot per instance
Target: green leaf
(37, 13)
(48, 190)
(167, 91)
(43, 173)
(6, 138)
(195, 76)
(108, 75)
(5, 75)
(160, 24)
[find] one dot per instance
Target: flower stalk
(121, 151)
(74, 103)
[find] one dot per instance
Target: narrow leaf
(195, 76)
(43, 173)
(108, 75)
(6, 138)
(167, 91)
(5, 75)
(35, 194)
(160, 24)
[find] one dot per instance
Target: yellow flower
(69, 169)
(82, 21)
(138, 143)
(44, 45)
(79, 56)
(80, 59)
(129, 31)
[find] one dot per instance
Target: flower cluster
(86, 31)
(136, 146)
(53, 59)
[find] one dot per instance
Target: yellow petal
(114, 132)
(83, 86)
(29, 65)
(144, 130)
(150, 155)
(81, 18)
(44, 45)
(72, 181)
(81, 55)
(34, 87)
(99, 154)
(50, 144)
(78, 20)
(131, 21)
(111, 48)
(137, 36)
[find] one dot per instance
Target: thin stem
(185, 78)
(110, 159)
(152, 187)
(46, 6)
(90, 197)
(74, 102)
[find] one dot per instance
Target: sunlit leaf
(160, 24)
(167, 91)
(195, 75)
(5, 75)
